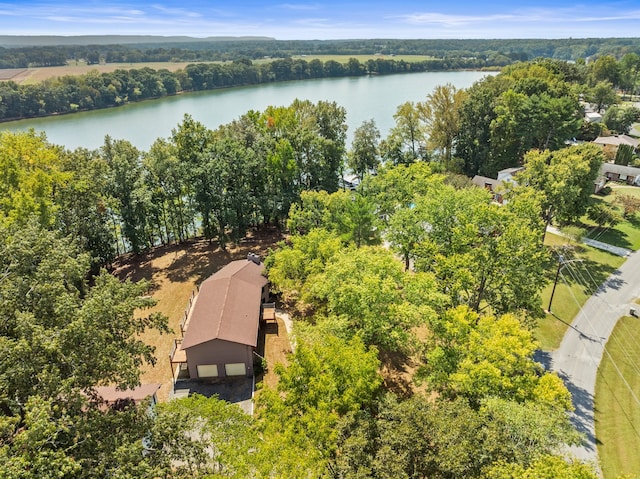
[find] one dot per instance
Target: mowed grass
(626, 234)
(617, 411)
(577, 282)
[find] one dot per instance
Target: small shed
(221, 328)
(113, 397)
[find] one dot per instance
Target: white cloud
(299, 6)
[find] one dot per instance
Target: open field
(617, 411)
(38, 74)
(35, 75)
(174, 271)
(576, 284)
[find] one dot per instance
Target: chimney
(254, 257)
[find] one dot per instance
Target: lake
(142, 123)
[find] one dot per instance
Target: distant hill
(14, 41)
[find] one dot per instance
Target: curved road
(579, 355)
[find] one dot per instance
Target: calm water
(142, 123)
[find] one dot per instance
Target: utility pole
(555, 282)
(561, 264)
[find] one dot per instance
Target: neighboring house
(593, 117)
(613, 172)
(221, 326)
(113, 397)
(497, 186)
(617, 140)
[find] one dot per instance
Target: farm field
(38, 74)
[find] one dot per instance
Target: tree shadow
(589, 275)
(203, 258)
(583, 416)
(398, 370)
(610, 236)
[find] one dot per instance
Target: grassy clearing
(577, 282)
(627, 233)
(617, 411)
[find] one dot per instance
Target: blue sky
(333, 19)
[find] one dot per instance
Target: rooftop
(227, 306)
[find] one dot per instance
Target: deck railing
(184, 324)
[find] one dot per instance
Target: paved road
(581, 350)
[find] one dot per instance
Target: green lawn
(617, 412)
(627, 233)
(575, 285)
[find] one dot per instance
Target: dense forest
(17, 52)
(457, 288)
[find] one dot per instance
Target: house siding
(219, 352)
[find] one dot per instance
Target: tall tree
(125, 185)
(363, 157)
(565, 177)
(30, 171)
(441, 115)
(75, 337)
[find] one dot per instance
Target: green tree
(605, 69)
(481, 357)
(75, 337)
(545, 467)
(405, 232)
(130, 195)
(365, 292)
(199, 437)
(289, 267)
(30, 171)
(363, 157)
(83, 212)
(192, 139)
(603, 95)
(620, 120)
(166, 178)
(408, 134)
(441, 116)
(478, 251)
(565, 177)
(327, 379)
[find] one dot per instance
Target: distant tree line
(486, 51)
(102, 90)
